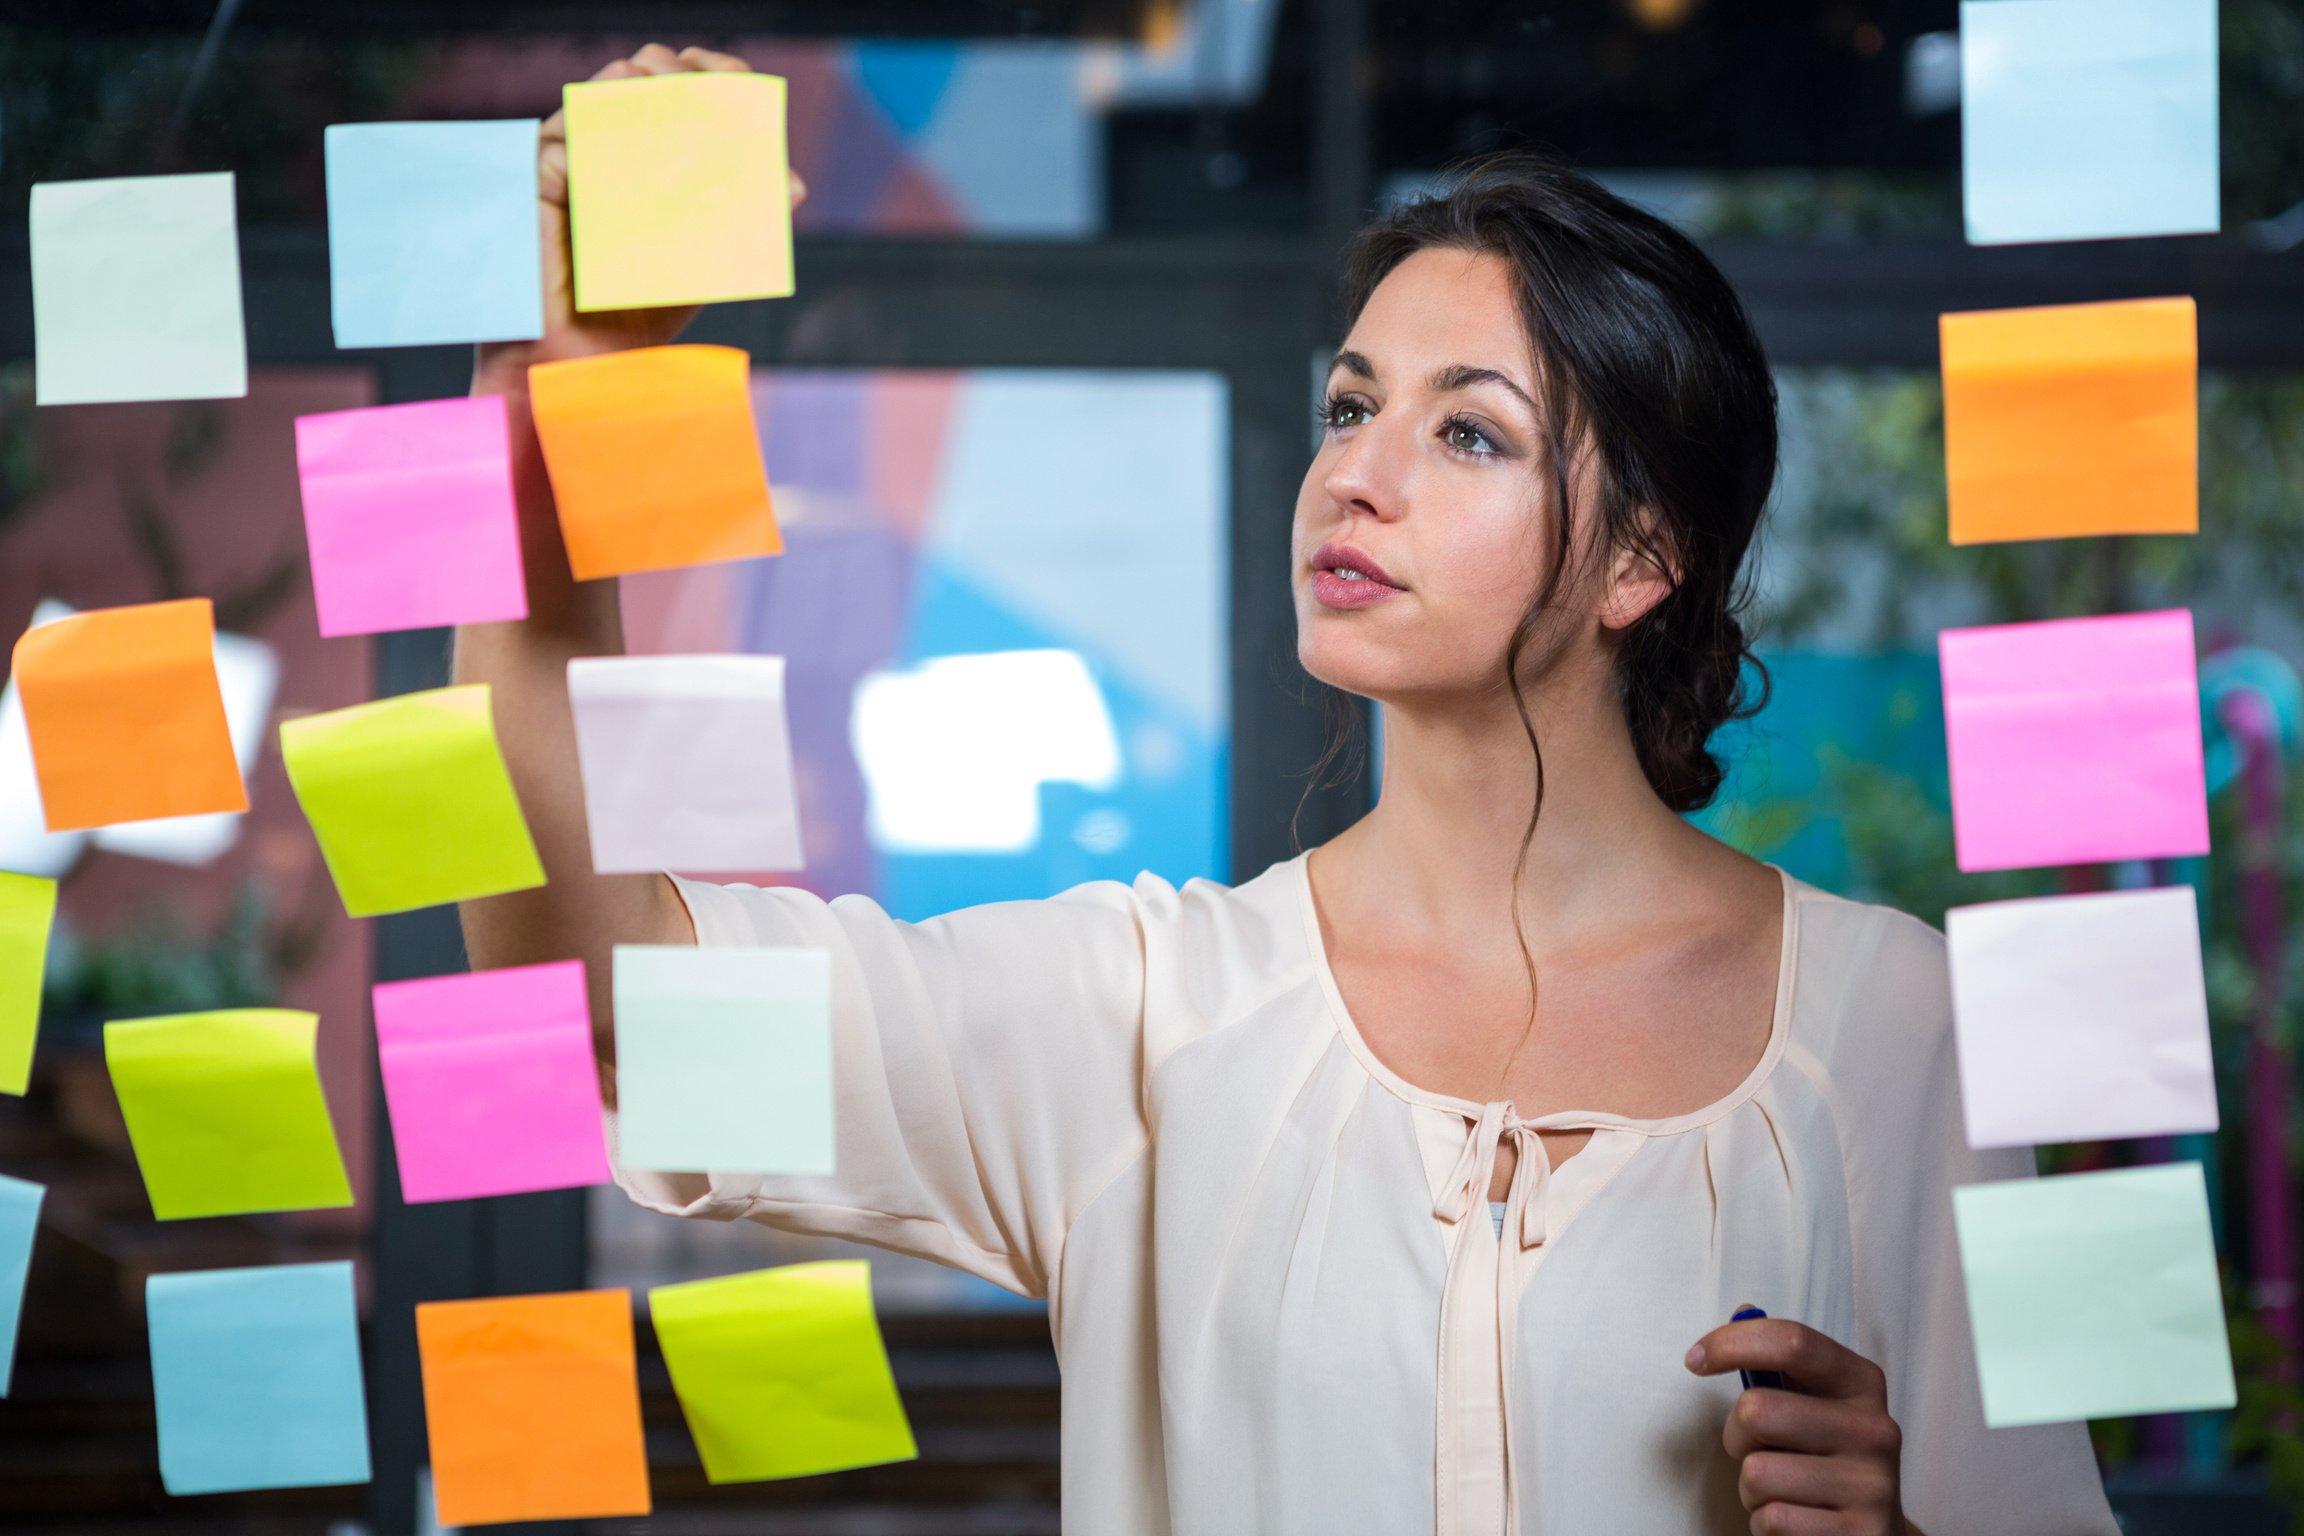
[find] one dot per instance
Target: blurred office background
(1035, 422)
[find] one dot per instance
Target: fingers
(1792, 1520)
(1764, 1419)
(1814, 1362)
(706, 59)
(1813, 1493)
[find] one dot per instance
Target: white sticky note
(136, 290)
(2081, 1018)
(723, 1059)
(2088, 119)
(687, 763)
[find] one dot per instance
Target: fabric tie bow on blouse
(1467, 1183)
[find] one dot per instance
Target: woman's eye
(1468, 438)
(1346, 412)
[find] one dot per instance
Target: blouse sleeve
(1912, 1312)
(987, 1068)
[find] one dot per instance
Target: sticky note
(723, 1059)
(654, 459)
(2081, 1018)
(432, 233)
(2072, 420)
(491, 1082)
(687, 762)
(678, 190)
(781, 1372)
(136, 290)
(27, 916)
(533, 1403)
(19, 1225)
(2074, 741)
(126, 717)
(256, 1378)
(2094, 1295)
(225, 1112)
(2088, 119)
(409, 516)
(248, 676)
(411, 801)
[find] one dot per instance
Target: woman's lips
(1345, 578)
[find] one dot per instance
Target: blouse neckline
(1779, 1032)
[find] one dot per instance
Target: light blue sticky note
(723, 1059)
(2088, 119)
(432, 234)
(19, 1220)
(2094, 1295)
(136, 290)
(256, 1376)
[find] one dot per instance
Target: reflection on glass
(954, 751)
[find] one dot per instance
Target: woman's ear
(1641, 573)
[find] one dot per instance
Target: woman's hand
(502, 366)
(1819, 1460)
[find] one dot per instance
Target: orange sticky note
(533, 1404)
(126, 717)
(2072, 420)
(654, 459)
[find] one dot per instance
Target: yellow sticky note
(678, 190)
(27, 913)
(411, 801)
(781, 1372)
(2072, 420)
(225, 1112)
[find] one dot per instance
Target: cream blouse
(1274, 1286)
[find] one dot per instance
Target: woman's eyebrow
(1354, 362)
(1463, 376)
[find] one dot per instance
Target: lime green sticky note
(678, 191)
(2094, 1295)
(781, 1372)
(411, 801)
(27, 912)
(225, 1112)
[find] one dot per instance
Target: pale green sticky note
(411, 801)
(781, 1372)
(27, 913)
(136, 290)
(723, 1059)
(2094, 1295)
(225, 1112)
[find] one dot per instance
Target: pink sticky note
(408, 512)
(491, 1082)
(2076, 741)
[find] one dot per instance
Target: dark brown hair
(1646, 359)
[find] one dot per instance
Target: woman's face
(1424, 528)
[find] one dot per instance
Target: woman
(1411, 1185)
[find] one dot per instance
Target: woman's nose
(1363, 478)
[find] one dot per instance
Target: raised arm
(576, 913)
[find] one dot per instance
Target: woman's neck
(1459, 778)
